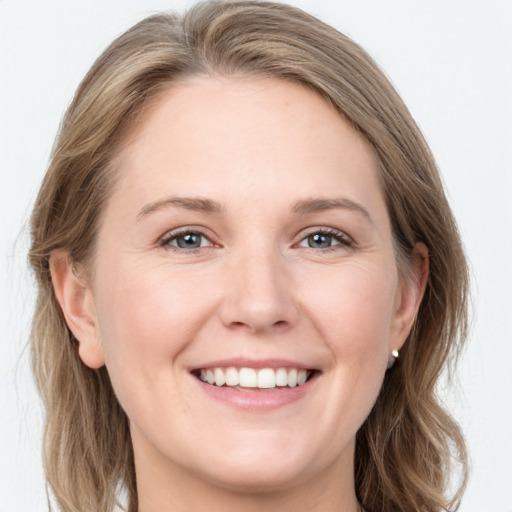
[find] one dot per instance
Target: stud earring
(394, 357)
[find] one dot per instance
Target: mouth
(252, 379)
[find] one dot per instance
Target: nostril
(254, 327)
(239, 325)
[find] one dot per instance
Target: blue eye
(320, 241)
(186, 240)
(325, 239)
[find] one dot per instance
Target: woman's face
(247, 231)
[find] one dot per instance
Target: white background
(452, 62)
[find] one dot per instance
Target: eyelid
(173, 234)
(343, 239)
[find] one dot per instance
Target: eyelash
(340, 237)
(175, 235)
(343, 240)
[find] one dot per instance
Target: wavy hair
(406, 449)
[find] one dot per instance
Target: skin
(151, 310)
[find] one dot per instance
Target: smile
(263, 378)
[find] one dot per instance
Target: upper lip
(244, 362)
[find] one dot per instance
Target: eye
(186, 240)
(325, 239)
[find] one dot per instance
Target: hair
(409, 445)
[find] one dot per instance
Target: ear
(76, 301)
(409, 296)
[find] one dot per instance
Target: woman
(249, 277)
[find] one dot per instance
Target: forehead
(225, 136)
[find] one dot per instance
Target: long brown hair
(406, 448)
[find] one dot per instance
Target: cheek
(351, 308)
(146, 318)
(151, 302)
(354, 318)
(354, 308)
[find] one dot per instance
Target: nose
(259, 294)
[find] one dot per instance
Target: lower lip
(259, 399)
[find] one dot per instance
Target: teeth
(292, 378)
(232, 378)
(220, 379)
(248, 378)
(281, 377)
(266, 378)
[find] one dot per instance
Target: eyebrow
(197, 204)
(318, 205)
(302, 207)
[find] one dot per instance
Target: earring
(394, 357)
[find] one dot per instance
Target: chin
(265, 477)
(263, 465)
